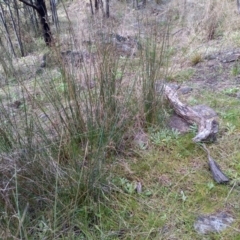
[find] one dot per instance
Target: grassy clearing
(70, 166)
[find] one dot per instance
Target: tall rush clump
(153, 62)
(60, 131)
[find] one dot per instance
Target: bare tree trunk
(107, 9)
(41, 9)
(8, 37)
(16, 29)
(238, 6)
(34, 18)
(53, 4)
(91, 5)
(144, 3)
(30, 14)
(135, 4)
(96, 5)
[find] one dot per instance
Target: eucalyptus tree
(40, 7)
(103, 4)
(5, 28)
(16, 25)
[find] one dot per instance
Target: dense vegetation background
(86, 151)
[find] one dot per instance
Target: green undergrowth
(70, 165)
(177, 187)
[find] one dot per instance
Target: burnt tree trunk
(96, 5)
(41, 9)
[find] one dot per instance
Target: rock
(210, 57)
(179, 124)
(211, 63)
(74, 58)
(185, 90)
(230, 58)
(120, 38)
(125, 46)
(213, 223)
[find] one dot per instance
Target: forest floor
(177, 185)
(159, 190)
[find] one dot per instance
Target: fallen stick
(217, 173)
(207, 129)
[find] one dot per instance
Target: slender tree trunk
(96, 5)
(107, 9)
(34, 19)
(53, 4)
(18, 30)
(144, 3)
(91, 5)
(17, 33)
(8, 37)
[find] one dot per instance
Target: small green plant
(231, 91)
(210, 185)
(128, 187)
(194, 128)
(183, 196)
(229, 115)
(164, 137)
(230, 128)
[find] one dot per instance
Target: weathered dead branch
(207, 128)
(218, 175)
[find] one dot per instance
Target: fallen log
(207, 128)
